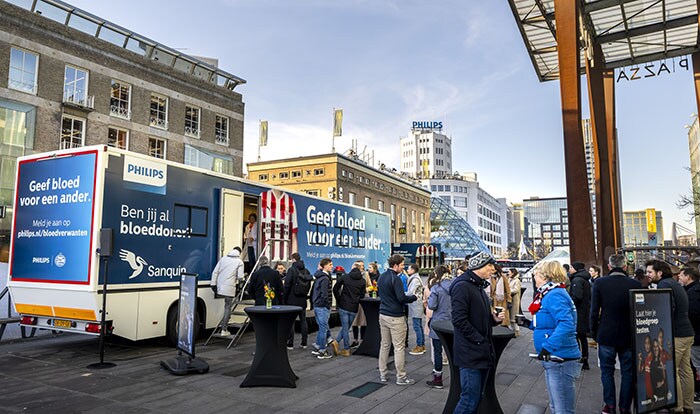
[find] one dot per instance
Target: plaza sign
(652, 69)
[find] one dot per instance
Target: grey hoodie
(227, 272)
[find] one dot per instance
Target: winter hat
(339, 269)
(578, 265)
(480, 260)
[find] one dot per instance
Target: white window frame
(10, 83)
(71, 93)
(221, 133)
(156, 121)
(117, 110)
(71, 143)
(380, 205)
(351, 198)
(296, 174)
(165, 147)
(368, 202)
(193, 131)
(126, 140)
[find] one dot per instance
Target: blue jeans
(346, 318)
(437, 355)
(322, 315)
(473, 383)
(418, 327)
(560, 378)
(606, 355)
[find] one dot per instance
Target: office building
(352, 181)
(694, 148)
(545, 224)
(643, 228)
(74, 79)
(426, 152)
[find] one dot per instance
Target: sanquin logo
(145, 172)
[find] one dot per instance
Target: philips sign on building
(426, 152)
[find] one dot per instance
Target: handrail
(9, 303)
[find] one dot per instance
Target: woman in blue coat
(554, 320)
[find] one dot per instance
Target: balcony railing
(87, 102)
(159, 123)
(69, 143)
(118, 111)
(192, 132)
(222, 139)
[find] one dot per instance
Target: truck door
(231, 221)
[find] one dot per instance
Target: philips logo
(41, 260)
(145, 175)
(146, 172)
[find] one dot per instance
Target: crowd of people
(571, 306)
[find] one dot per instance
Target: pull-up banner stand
(654, 353)
(187, 363)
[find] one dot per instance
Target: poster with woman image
(652, 322)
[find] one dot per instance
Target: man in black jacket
(297, 283)
(265, 275)
(348, 290)
(392, 320)
(322, 306)
(612, 329)
(473, 323)
(683, 334)
(692, 288)
(581, 295)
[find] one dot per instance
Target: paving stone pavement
(48, 375)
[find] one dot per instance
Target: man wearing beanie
(473, 322)
(581, 295)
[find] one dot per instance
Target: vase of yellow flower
(269, 295)
(373, 289)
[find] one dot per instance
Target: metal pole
(103, 327)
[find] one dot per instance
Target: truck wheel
(172, 325)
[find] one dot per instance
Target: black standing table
(489, 402)
(371, 341)
(271, 365)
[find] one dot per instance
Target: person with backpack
(348, 290)
(297, 284)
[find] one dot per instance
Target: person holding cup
(554, 320)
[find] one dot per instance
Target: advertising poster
(53, 214)
(187, 306)
(425, 255)
(652, 324)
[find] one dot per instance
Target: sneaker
(354, 345)
(405, 381)
(303, 346)
(290, 347)
(383, 379)
(324, 355)
(225, 332)
(608, 409)
(344, 352)
(315, 352)
(315, 345)
(418, 350)
(335, 346)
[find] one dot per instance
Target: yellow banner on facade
(651, 220)
(338, 123)
(263, 133)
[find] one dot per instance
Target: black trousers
(304, 329)
(582, 339)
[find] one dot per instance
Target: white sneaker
(405, 381)
(225, 332)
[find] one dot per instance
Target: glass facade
(546, 224)
(452, 231)
(208, 160)
(635, 230)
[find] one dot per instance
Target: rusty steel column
(581, 241)
(603, 191)
(613, 160)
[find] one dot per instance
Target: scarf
(500, 288)
(541, 292)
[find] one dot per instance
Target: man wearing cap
(581, 295)
(473, 322)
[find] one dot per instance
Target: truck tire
(172, 324)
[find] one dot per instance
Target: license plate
(61, 323)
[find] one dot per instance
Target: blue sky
(387, 63)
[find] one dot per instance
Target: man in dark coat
(692, 288)
(581, 295)
(296, 293)
(265, 275)
(473, 322)
(612, 329)
(348, 290)
(683, 333)
(322, 306)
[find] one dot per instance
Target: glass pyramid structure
(457, 237)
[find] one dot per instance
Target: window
(72, 132)
(351, 198)
(380, 205)
(312, 192)
(393, 212)
(296, 174)
(117, 137)
(190, 220)
(284, 175)
(75, 84)
(262, 177)
(157, 147)
(368, 202)
(351, 175)
(222, 130)
(192, 114)
(120, 100)
(343, 173)
(208, 160)
(403, 216)
(23, 70)
(319, 171)
(159, 111)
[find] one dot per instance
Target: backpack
(301, 286)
